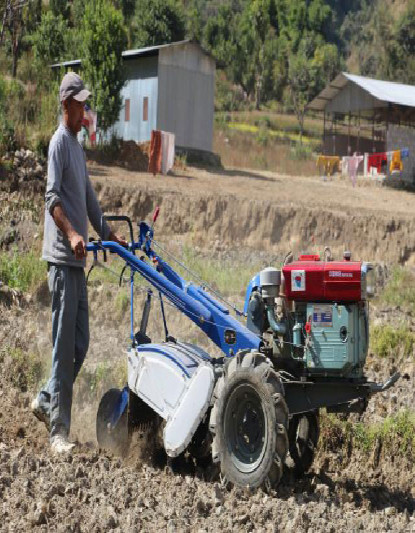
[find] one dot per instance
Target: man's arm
(76, 241)
(95, 214)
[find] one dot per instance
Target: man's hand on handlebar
(119, 240)
(78, 245)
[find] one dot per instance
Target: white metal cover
(177, 383)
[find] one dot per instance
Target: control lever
(119, 218)
(155, 216)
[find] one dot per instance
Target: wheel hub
(245, 427)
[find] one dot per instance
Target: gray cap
(72, 85)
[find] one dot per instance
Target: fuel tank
(319, 281)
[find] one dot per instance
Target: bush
(300, 152)
(263, 136)
(22, 271)
(400, 290)
(8, 142)
(386, 341)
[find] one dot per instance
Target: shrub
(400, 290)
(22, 271)
(263, 136)
(300, 152)
(386, 341)
(8, 142)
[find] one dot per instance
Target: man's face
(75, 113)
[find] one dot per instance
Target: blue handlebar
(196, 303)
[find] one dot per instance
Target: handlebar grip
(123, 218)
(156, 214)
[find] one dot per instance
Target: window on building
(127, 110)
(145, 108)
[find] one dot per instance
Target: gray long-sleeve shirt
(68, 184)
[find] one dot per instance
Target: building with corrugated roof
(169, 87)
(365, 115)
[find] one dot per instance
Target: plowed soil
(345, 490)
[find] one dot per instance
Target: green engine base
(338, 342)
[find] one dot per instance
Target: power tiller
(303, 347)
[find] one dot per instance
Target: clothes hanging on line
(404, 153)
(162, 151)
(377, 160)
(167, 151)
(154, 161)
(396, 164)
(328, 164)
(89, 122)
(353, 163)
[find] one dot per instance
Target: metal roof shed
(383, 113)
(169, 87)
(351, 93)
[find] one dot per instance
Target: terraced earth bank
(363, 475)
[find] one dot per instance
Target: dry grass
(243, 150)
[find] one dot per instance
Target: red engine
(311, 280)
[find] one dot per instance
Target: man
(70, 201)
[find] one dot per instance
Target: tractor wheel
(249, 422)
(115, 439)
(303, 434)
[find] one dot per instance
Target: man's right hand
(78, 245)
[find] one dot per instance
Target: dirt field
(236, 216)
(261, 210)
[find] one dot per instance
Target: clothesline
(371, 163)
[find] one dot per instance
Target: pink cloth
(353, 163)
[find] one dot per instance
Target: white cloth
(167, 151)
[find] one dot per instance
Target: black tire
(303, 435)
(116, 439)
(249, 421)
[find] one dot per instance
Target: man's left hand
(119, 240)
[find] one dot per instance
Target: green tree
(49, 39)
(103, 41)
(257, 47)
(59, 7)
(301, 79)
(158, 22)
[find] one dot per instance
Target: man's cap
(72, 85)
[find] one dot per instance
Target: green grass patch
(122, 302)
(386, 341)
(395, 434)
(223, 275)
(22, 270)
(22, 369)
(400, 290)
(277, 134)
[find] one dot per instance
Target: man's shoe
(40, 412)
(60, 444)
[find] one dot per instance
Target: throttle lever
(155, 216)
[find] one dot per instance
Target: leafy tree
(158, 22)
(49, 39)
(103, 41)
(220, 35)
(301, 79)
(59, 7)
(18, 19)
